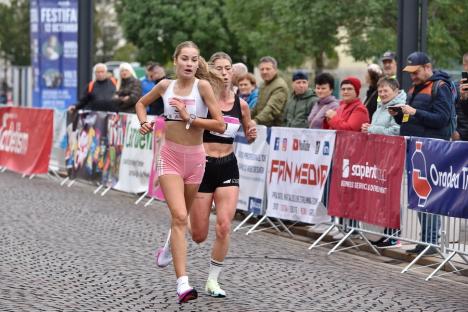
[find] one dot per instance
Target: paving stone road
(65, 249)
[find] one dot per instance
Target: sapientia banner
(438, 176)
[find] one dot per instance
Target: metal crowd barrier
(451, 240)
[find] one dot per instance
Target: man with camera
(462, 104)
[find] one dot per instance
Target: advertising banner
(366, 178)
(252, 160)
(26, 139)
(154, 190)
(54, 45)
(87, 144)
(298, 167)
(137, 154)
(116, 125)
(438, 176)
(59, 144)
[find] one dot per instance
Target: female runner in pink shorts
(187, 101)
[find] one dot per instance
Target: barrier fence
(356, 183)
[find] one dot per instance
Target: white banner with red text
(298, 167)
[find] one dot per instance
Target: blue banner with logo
(438, 176)
(54, 41)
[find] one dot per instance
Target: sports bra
(232, 119)
(193, 102)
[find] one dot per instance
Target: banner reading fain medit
(26, 139)
(298, 168)
(252, 160)
(438, 176)
(366, 178)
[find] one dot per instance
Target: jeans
(430, 227)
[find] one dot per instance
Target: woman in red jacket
(351, 113)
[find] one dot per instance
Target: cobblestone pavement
(65, 249)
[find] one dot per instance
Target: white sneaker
(334, 231)
(320, 228)
(212, 288)
(338, 236)
(163, 254)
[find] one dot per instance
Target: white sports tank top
(193, 102)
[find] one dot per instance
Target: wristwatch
(192, 117)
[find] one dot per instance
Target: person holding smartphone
(461, 105)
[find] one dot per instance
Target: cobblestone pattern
(65, 249)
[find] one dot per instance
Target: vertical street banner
(25, 139)
(154, 189)
(438, 176)
(87, 143)
(137, 154)
(54, 46)
(116, 125)
(366, 178)
(59, 143)
(298, 167)
(252, 160)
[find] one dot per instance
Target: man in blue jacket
(426, 115)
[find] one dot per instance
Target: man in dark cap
(389, 64)
(300, 102)
(426, 115)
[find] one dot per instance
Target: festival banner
(136, 158)
(54, 46)
(366, 178)
(298, 167)
(252, 160)
(154, 189)
(87, 142)
(25, 139)
(438, 176)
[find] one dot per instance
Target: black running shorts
(219, 172)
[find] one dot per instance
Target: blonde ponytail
(205, 72)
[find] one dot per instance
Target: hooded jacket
(432, 117)
(298, 108)
(382, 121)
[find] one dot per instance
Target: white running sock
(182, 284)
(215, 269)
(167, 245)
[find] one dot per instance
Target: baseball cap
(415, 60)
(388, 56)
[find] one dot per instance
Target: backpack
(454, 93)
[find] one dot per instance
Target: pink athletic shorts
(186, 161)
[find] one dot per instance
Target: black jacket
(98, 96)
(130, 87)
(462, 118)
(432, 118)
(371, 100)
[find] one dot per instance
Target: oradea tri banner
(137, 153)
(26, 139)
(54, 47)
(252, 160)
(366, 178)
(87, 144)
(438, 176)
(154, 189)
(298, 166)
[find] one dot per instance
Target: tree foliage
(14, 36)
(157, 26)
